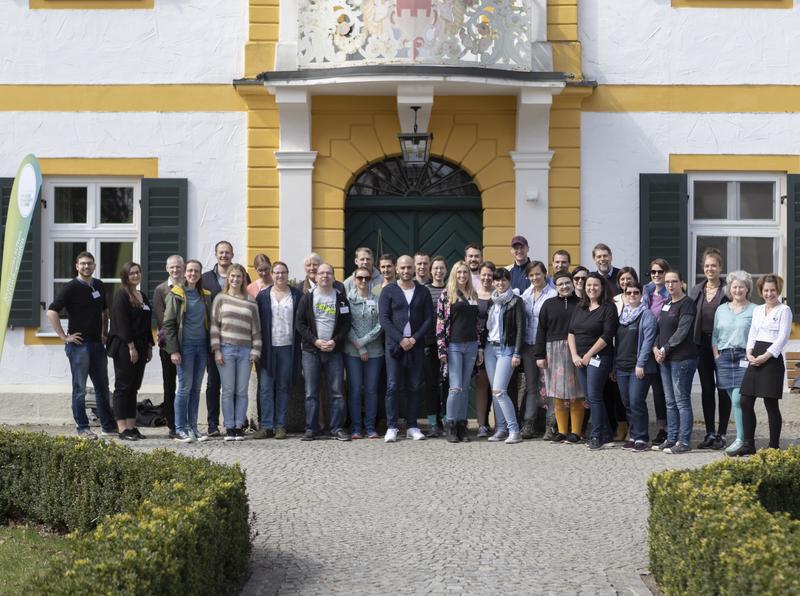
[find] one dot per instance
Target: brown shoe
(280, 433)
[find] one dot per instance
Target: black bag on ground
(149, 415)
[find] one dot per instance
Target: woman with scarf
(457, 338)
(634, 363)
(502, 341)
(591, 335)
(482, 402)
(655, 296)
(554, 360)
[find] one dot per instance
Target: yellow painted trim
(31, 339)
(90, 4)
(121, 98)
(732, 3)
(146, 167)
(681, 163)
(694, 98)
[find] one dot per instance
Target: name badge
(370, 303)
(665, 308)
(95, 294)
(473, 303)
(743, 364)
(145, 307)
(595, 361)
(344, 310)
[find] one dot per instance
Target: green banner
(21, 207)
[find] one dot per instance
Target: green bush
(728, 528)
(139, 523)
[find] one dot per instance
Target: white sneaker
(498, 436)
(391, 435)
(415, 434)
(514, 438)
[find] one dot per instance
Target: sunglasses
(656, 272)
(633, 293)
(577, 279)
(362, 278)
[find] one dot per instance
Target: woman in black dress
(769, 332)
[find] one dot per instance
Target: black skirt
(765, 380)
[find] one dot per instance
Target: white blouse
(282, 320)
(774, 328)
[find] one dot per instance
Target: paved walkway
(434, 518)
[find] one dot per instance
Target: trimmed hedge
(140, 523)
(728, 528)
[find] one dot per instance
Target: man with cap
(519, 248)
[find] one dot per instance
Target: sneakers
(341, 435)
(308, 435)
(356, 436)
(665, 444)
(172, 434)
(629, 445)
(230, 435)
(513, 438)
(595, 444)
(661, 436)
(498, 436)
(733, 447)
(640, 446)
(415, 434)
(201, 438)
(182, 437)
(113, 433)
(391, 435)
(213, 432)
(238, 434)
(484, 431)
(373, 435)
(125, 435)
(87, 434)
(435, 432)
(138, 433)
(558, 438)
(280, 433)
(573, 439)
(263, 433)
(551, 434)
(708, 442)
(527, 430)
(743, 450)
(678, 448)
(719, 443)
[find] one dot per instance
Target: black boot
(463, 436)
(747, 448)
(452, 432)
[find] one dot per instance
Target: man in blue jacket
(406, 315)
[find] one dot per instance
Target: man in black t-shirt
(84, 299)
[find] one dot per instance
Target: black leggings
(773, 417)
(706, 369)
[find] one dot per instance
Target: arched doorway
(393, 207)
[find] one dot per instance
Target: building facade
(658, 128)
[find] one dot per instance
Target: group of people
(540, 348)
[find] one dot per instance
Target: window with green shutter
(164, 213)
(792, 290)
(663, 225)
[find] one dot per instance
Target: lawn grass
(24, 551)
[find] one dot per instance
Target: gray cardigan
(365, 326)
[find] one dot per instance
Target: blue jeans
(460, 362)
(234, 376)
(593, 380)
(677, 377)
(275, 388)
(89, 359)
(332, 365)
(634, 395)
(190, 376)
(363, 377)
(499, 371)
(404, 381)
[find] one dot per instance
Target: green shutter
(25, 307)
(164, 213)
(663, 223)
(792, 290)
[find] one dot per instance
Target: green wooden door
(435, 225)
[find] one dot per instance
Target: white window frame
(759, 228)
(92, 232)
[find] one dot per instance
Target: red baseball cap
(519, 240)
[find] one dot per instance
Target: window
(740, 215)
(100, 215)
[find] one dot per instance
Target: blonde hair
(452, 285)
(243, 287)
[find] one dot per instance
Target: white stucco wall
(178, 41)
(616, 148)
(649, 42)
(210, 149)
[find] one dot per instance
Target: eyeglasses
(262, 271)
(656, 272)
(672, 281)
(362, 278)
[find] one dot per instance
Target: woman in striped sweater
(236, 343)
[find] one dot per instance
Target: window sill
(91, 4)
